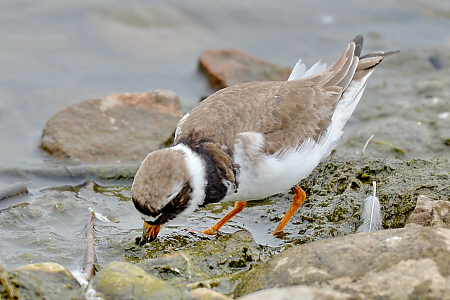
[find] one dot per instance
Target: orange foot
(297, 201)
(238, 207)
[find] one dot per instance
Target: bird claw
(203, 233)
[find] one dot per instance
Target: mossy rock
(45, 281)
(121, 280)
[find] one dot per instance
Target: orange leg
(238, 207)
(298, 200)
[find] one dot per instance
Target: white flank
(196, 169)
(300, 71)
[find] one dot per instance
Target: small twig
(13, 190)
(367, 143)
(90, 259)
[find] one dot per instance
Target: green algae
(216, 263)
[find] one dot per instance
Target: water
(55, 53)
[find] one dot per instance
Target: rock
(6, 289)
(407, 263)
(227, 67)
(336, 190)
(121, 280)
(216, 263)
(299, 292)
(433, 213)
(115, 128)
(205, 294)
(45, 281)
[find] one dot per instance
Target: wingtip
(390, 53)
(358, 40)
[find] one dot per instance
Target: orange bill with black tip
(150, 232)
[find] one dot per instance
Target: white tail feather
(371, 214)
(300, 71)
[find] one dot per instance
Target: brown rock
(115, 128)
(227, 67)
(428, 212)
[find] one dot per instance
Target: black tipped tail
(359, 41)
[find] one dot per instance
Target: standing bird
(252, 140)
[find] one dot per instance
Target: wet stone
(121, 280)
(227, 67)
(44, 281)
(407, 263)
(215, 263)
(115, 128)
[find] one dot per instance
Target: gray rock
(121, 280)
(115, 128)
(408, 263)
(299, 292)
(227, 67)
(45, 281)
(428, 212)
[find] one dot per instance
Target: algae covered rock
(407, 263)
(45, 281)
(6, 288)
(216, 263)
(337, 188)
(121, 280)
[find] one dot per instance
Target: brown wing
(299, 108)
(286, 112)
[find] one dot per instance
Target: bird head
(163, 188)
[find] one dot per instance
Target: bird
(252, 140)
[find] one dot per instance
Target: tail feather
(300, 71)
(341, 72)
(349, 73)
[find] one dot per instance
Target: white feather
(300, 71)
(178, 130)
(371, 214)
(196, 169)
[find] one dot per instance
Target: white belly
(264, 175)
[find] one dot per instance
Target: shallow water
(57, 53)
